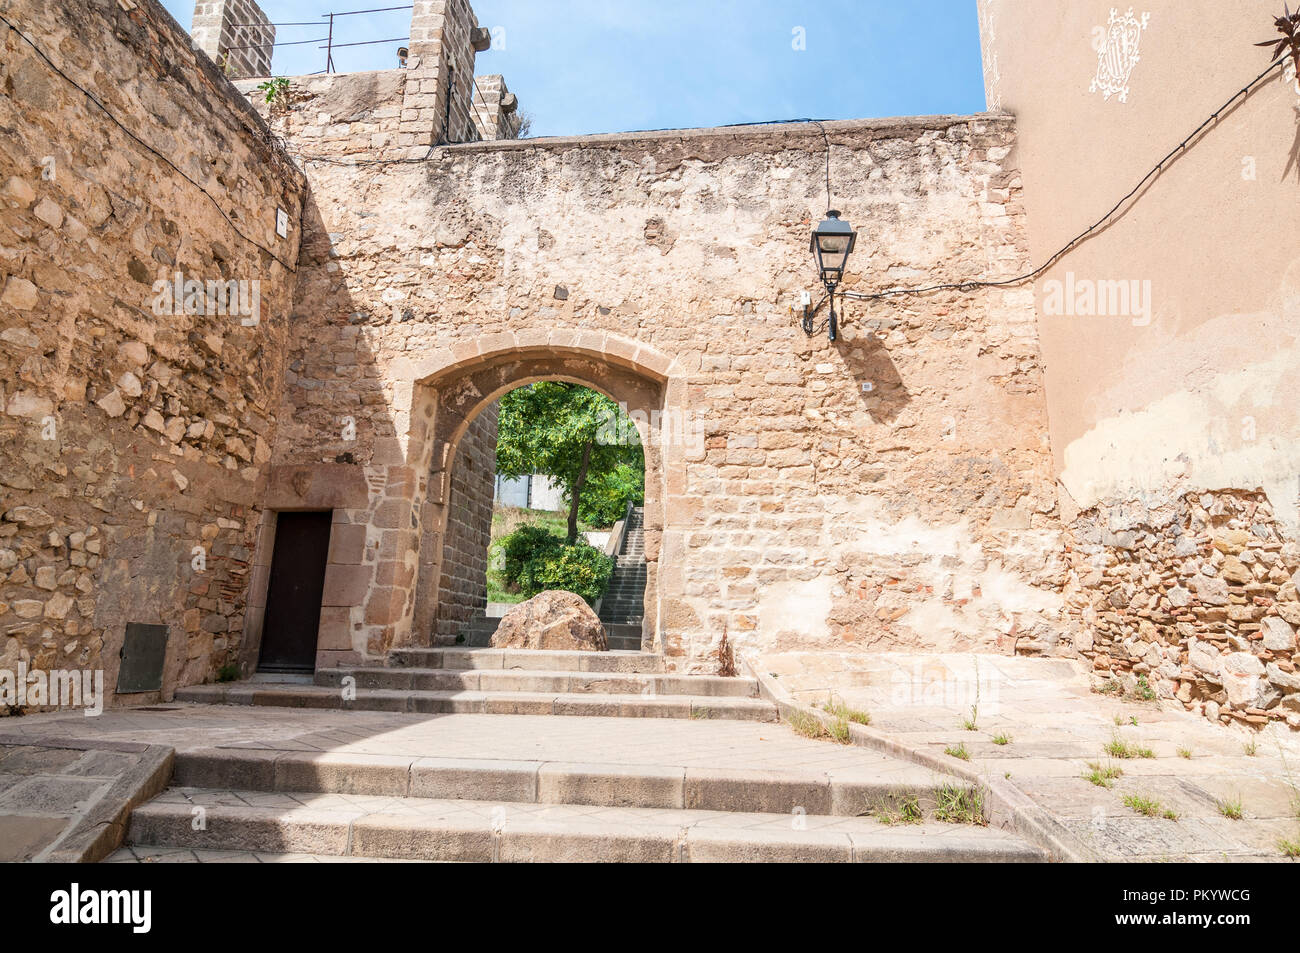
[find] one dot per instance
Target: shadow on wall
(336, 422)
(1293, 159)
(881, 390)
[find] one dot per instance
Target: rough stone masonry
(893, 490)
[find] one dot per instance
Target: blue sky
(587, 66)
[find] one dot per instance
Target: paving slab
(66, 799)
(1057, 726)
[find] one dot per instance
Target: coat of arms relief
(1118, 52)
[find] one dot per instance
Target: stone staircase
(508, 682)
(623, 607)
(421, 806)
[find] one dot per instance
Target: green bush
(531, 560)
(523, 546)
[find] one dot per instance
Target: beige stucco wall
(1198, 390)
(1175, 426)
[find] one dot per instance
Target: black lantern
(832, 243)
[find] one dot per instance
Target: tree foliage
(579, 438)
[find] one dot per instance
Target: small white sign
(282, 223)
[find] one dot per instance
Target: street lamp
(832, 243)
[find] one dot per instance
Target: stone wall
(1172, 367)
(462, 590)
(236, 35)
(341, 116)
(445, 35)
(892, 490)
(1194, 594)
(396, 113)
(135, 428)
(495, 109)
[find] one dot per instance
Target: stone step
(410, 828)
(480, 702)
(184, 855)
(538, 659)
(520, 680)
(475, 639)
(554, 782)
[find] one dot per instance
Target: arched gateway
(450, 397)
(389, 520)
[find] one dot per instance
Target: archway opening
(568, 509)
(455, 419)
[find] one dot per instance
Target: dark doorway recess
(293, 596)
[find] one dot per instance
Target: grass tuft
(907, 811)
(1117, 747)
(959, 805)
(1149, 806)
(844, 713)
(1231, 809)
(1102, 775)
(957, 751)
(1002, 738)
(810, 726)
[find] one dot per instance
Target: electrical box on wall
(282, 223)
(144, 649)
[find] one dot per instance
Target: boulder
(551, 620)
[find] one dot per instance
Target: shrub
(532, 559)
(521, 547)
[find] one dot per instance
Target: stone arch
(452, 388)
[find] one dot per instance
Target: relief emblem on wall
(1118, 47)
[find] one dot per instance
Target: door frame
(342, 489)
(274, 520)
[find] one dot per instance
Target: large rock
(551, 620)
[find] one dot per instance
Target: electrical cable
(1031, 275)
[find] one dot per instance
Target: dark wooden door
(293, 596)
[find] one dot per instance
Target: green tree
(570, 433)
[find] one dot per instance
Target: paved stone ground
(665, 742)
(1057, 726)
